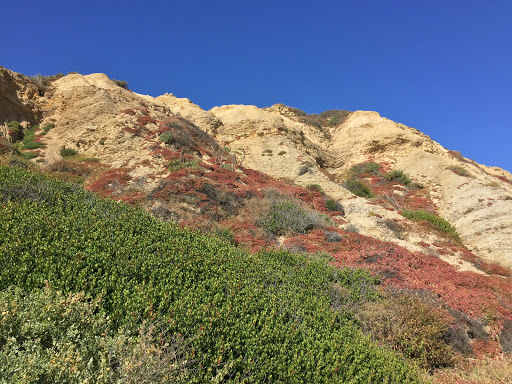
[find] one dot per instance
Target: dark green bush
(166, 137)
(399, 176)
(47, 128)
(29, 155)
(14, 126)
(67, 152)
(369, 167)
(358, 188)
(29, 139)
(333, 206)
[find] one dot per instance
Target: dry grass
(483, 371)
(410, 325)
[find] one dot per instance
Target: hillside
(355, 188)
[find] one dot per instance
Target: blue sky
(443, 67)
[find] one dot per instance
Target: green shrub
(289, 216)
(15, 126)
(177, 164)
(369, 167)
(48, 337)
(262, 317)
(399, 176)
(437, 222)
(29, 139)
(166, 137)
(225, 234)
(32, 144)
(67, 152)
(358, 188)
(315, 188)
(29, 155)
(333, 206)
(15, 131)
(47, 128)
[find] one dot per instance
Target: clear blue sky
(443, 67)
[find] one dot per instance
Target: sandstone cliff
(99, 119)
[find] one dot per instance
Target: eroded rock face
(20, 99)
(277, 141)
(185, 108)
(100, 119)
(91, 114)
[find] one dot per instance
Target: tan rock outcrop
(185, 108)
(279, 143)
(20, 100)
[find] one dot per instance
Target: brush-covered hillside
(147, 240)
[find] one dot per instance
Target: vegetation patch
(461, 171)
(177, 164)
(47, 128)
(315, 188)
(358, 188)
(49, 337)
(15, 131)
(67, 152)
(398, 176)
(333, 206)
(121, 83)
(437, 222)
(411, 326)
(30, 155)
(330, 118)
(29, 139)
(290, 216)
(369, 168)
(166, 137)
(44, 82)
(251, 318)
